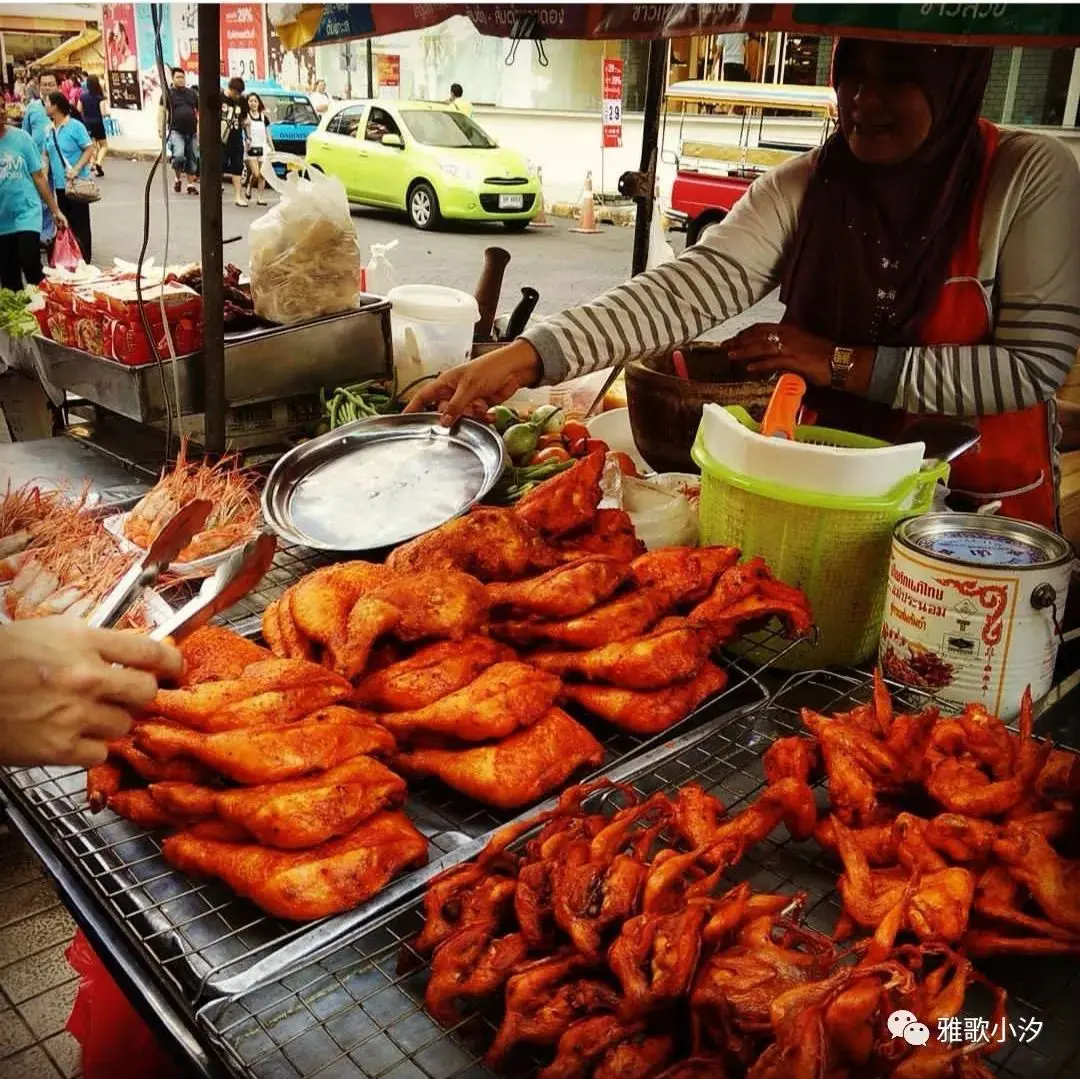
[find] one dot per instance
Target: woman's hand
(474, 387)
(69, 172)
(66, 689)
(768, 347)
(60, 219)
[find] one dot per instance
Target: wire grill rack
(208, 942)
(359, 1013)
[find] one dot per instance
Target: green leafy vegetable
(15, 319)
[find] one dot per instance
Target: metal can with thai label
(973, 608)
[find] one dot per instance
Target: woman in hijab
(927, 260)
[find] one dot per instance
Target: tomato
(577, 447)
(546, 441)
(625, 463)
(551, 453)
(573, 430)
(596, 445)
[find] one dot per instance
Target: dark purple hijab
(873, 242)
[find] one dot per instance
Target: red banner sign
(612, 98)
(243, 41)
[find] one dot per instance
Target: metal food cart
(234, 992)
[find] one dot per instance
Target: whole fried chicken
(466, 895)
(516, 771)
(672, 652)
(563, 592)
(214, 654)
(648, 712)
(567, 501)
(640, 1056)
(430, 674)
(301, 885)
(688, 573)
(297, 813)
(446, 604)
(586, 1042)
(471, 964)
(272, 754)
(492, 544)
(273, 691)
(498, 702)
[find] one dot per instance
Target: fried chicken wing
(467, 895)
(516, 771)
(617, 620)
(747, 593)
(648, 712)
(430, 674)
(214, 654)
(445, 604)
(611, 533)
(563, 592)
(1054, 881)
(567, 501)
(688, 573)
(492, 544)
(697, 815)
(877, 842)
(297, 813)
(274, 691)
(272, 754)
(867, 894)
(672, 652)
(790, 758)
(300, 885)
(501, 700)
(470, 965)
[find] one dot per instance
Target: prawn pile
(230, 490)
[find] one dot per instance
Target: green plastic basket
(835, 548)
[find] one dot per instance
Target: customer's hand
(69, 172)
(61, 221)
(66, 689)
(474, 387)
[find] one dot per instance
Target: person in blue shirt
(23, 189)
(70, 150)
(35, 122)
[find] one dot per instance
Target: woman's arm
(735, 265)
(42, 184)
(84, 160)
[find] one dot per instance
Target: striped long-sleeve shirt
(1029, 268)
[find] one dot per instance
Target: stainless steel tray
(353, 1015)
(208, 942)
(378, 482)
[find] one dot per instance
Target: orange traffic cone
(540, 221)
(588, 209)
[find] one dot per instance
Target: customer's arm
(42, 184)
(66, 690)
(86, 147)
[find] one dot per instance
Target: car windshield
(451, 129)
(290, 110)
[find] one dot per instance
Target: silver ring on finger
(774, 340)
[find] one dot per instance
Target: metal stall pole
(210, 154)
(641, 185)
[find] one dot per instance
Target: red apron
(1014, 460)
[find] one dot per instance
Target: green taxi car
(425, 158)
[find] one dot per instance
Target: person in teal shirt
(35, 122)
(23, 189)
(70, 149)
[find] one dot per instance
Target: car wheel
(516, 226)
(423, 207)
(700, 223)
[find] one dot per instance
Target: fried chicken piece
(273, 754)
(867, 894)
(610, 533)
(274, 691)
(292, 643)
(300, 885)
(987, 943)
(688, 573)
(470, 965)
(543, 999)
(998, 899)
(585, 1042)
(655, 956)
(430, 674)
(959, 838)
(271, 628)
(102, 782)
(1054, 881)
(672, 652)
(1060, 776)
(140, 807)
(297, 813)
(793, 757)
(466, 895)
(501, 700)
(748, 593)
(618, 620)
(446, 604)
(697, 814)
(697, 1067)
(637, 1057)
(652, 711)
(152, 770)
(567, 501)
(215, 654)
(516, 771)
(877, 842)
(491, 544)
(941, 904)
(567, 590)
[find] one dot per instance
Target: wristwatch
(843, 360)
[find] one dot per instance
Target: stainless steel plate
(382, 481)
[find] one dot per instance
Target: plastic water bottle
(379, 272)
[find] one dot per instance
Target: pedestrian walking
(70, 151)
(93, 107)
(234, 135)
(259, 144)
(182, 141)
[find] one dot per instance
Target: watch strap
(843, 359)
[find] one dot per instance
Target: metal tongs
(185, 524)
(233, 580)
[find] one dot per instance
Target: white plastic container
(432, 329)
(806, 466)
(662, 518)
(379, 272)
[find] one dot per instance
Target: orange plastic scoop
(784, 405)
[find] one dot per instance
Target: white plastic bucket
(432, 329)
